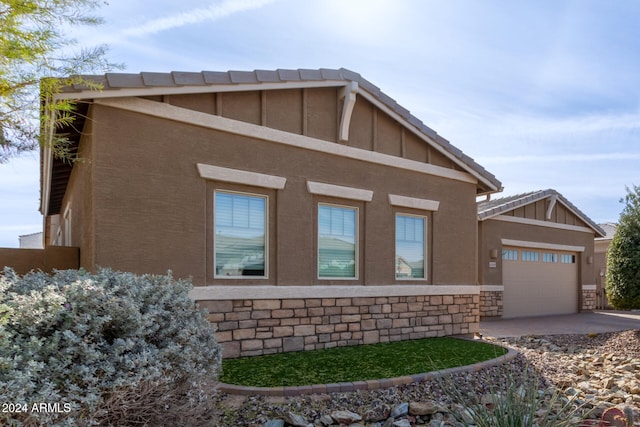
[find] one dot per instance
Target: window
(549, 257)
(510, 254)
(337, 237)
(410, 247)
(67, 226)
(567, 259)
(530, 256)
(240, 235)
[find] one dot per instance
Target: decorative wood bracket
(349, 94)
(552, 204)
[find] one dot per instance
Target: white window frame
(530, 256)
(66, 225)
(510, 254)
(424, 244)
(58, 240)
(567, 259)
(357, 242)
(266, 235)
(549, 257)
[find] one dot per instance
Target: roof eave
(535, 197)
(117, 85)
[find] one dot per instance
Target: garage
(539, 282)
(535, 256)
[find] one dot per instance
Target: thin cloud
(212, 13)
(597, 157)
(585, 124)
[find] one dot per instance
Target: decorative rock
(424, 408)
(401, 423)
(274, 423)
(490, 400)
(345, 417)
(325, 420)
(377, 413)
(400, 410)
(389, 423)
(295, 419)
(564, 382)
(465, 413)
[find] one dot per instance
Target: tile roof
(490, 208)
(177, 79)
(609, 229)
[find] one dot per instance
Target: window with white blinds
(240, 223)
(410, 246)
(337, 242)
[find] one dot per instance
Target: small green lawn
(359, 363)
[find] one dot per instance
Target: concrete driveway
(581, 323)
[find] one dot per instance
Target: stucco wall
(79, 199)
(142, 205)
(491, 232)
(151, 209)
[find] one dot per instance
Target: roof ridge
(488, 209)
(177, 79)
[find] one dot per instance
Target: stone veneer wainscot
(255, 326)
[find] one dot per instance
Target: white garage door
(539, 282)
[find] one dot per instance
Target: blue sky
(544, 94)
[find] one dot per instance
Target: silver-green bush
(110, 348)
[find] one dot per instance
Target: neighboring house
(600, 262)
(536, 256)
(31, 241)
(287, 196)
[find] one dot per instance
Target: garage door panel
(535, 288)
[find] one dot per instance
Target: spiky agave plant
(522, 401)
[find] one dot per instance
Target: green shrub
(110, 348)
(623, 257)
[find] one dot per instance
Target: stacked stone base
(252, 327)
(589, 299)
(491, 304)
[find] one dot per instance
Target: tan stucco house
(308, 207)
(535, 256)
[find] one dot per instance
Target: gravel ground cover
(598, 370)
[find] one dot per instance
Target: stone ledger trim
(252, 327)
(341, 191)
(301, 292)
(413, 202)
(236, 176)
